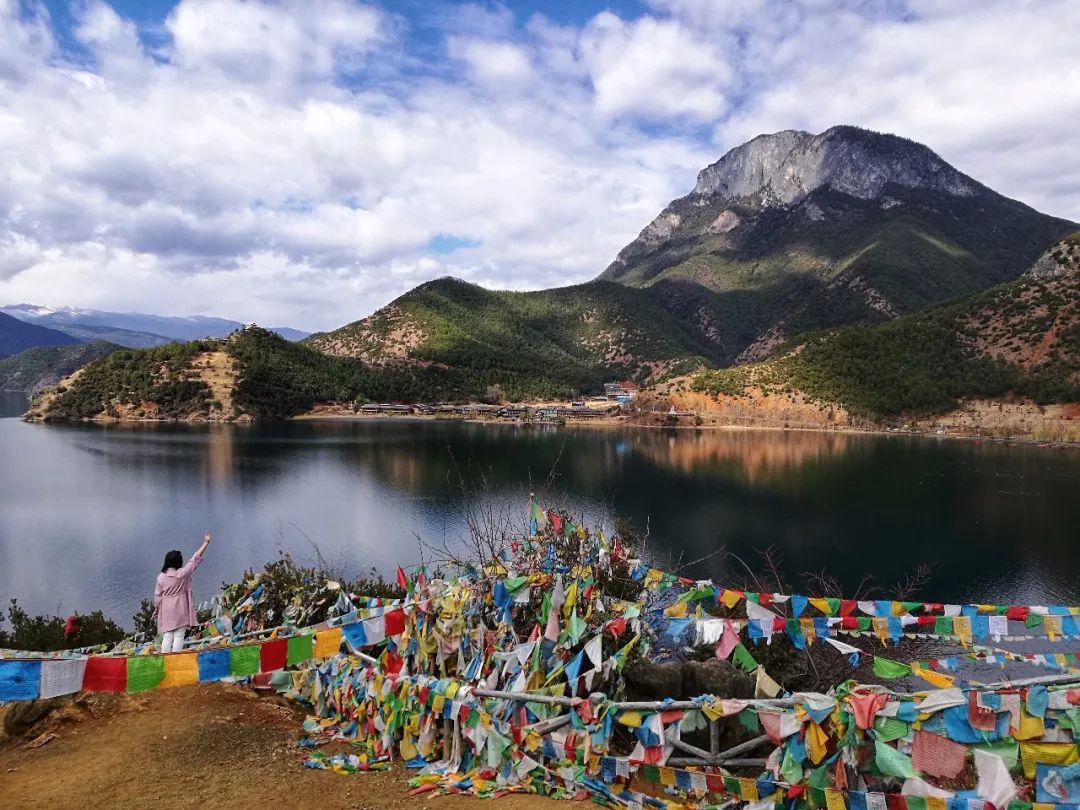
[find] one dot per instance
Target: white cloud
(291, 162)
(656, 69)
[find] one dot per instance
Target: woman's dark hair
(174, 559)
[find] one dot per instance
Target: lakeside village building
(621, 392)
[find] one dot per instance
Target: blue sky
(305, 161)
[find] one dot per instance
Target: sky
(304, 162)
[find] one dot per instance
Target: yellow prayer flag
(748, 789)
(938, 679)
(713, 709)
(962, 629)
(834, 799)
(1052, 626)
(1032, 754)
(936, 803)
(327, 643)
(816, 742)
(730, 598)
(1031, 727)
(181, 669)
(631, 719)
(822, 605)
(676, 611)
(880, 625)
(667, 776)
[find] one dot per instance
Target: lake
(88, 511)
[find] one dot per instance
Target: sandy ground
(214, 745)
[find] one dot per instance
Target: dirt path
(213, 745)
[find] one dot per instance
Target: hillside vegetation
(532, 344)
(267, 377)
(1021, 338)
(36, 369)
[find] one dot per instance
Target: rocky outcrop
(784, 167)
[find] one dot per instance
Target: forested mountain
(37, 369)
(793, 232)
(543, 343)
(855, 239)
(17, 336)
(1019, 338)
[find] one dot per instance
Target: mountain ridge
(16, 336)
(794, 232)
(146, 327)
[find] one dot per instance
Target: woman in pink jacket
(173, 601)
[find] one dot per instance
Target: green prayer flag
(890, 728)
(863, 622)
(886, 668)
(299, 649)
(916, 803)
(743, 658)
(651, 773)
(943, 626)
(891, 762)
(750, 721)
(144, 672)
(910, 607)
(732, 786)
(244, 660)
(834, 605)
(1017, 804)
(1033, 620)
(790, 770)
(1008, 750)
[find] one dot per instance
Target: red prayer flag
(847, 607)
(896, 801)
(272, 654)
(105, 674)
(395, 622)
(937, 756)
(402, 580)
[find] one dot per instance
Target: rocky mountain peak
(784, 167)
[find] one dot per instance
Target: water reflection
(86, 512)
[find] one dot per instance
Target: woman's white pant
(173, 641)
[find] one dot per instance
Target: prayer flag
(213, 665)
(244, 660)
(19, 680)
(144, 672)
(273, 655)
(63, 676)
(105, 674)
(299, 649)
(886, 668)
(181, 669)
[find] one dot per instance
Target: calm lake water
(87, 512)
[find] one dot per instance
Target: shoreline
(625, 422)
(605, 422)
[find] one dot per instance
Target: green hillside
(532, 344)
(36, 369)
(1020, 338)
(273, 379)
(834, 260)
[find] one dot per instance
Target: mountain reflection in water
(87, 511)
